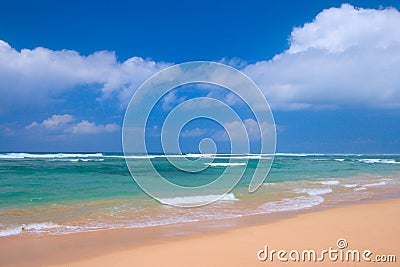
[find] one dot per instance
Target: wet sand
(236, 242)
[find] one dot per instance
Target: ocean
(62, 193)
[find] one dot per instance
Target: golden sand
(368, 226)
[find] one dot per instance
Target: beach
(365, 226)
(150, 133)
(86, 210)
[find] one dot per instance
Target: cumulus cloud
(54, 121)
(39, 76)
(347, 56)
(86, 127)
(67, 124)
(194, 132)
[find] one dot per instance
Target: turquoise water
(63, 193)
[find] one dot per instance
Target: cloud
(347, 56)
(86, 127)
(252, 128)
(66, 124)
(170, 100)
(194, 132)
(31, 78)
(53, 122)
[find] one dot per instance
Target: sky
(329, 69)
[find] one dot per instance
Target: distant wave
(77, 160)
(194, 155)
(227, 164)
(299, 154)
(229, 156)
(197, 199)
(47, 156)
(386, 161)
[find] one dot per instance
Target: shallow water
(65, 193)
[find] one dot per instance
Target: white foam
(314, 191)
(375, 184)
(223, 164)
(233, 157)
(360, 189)
(40, 226)
(296, 154)
(137, 157)
(333, 182)
(77, 160)
(295, 203)
(11, 156)
(340, 160)
(197, 199)
(385, 161)
(11, 231)
(350, 185)
(48, 156)
(192, 155)
(34, 228)
(35, 199)
(228, 156)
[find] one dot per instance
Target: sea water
(63, 193)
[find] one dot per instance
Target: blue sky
(329, 71)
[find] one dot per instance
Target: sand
(367, 226)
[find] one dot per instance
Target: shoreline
(321, 227)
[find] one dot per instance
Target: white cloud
(86, 127)
(234, 62)
(170, 100)
(345, 57)
(252, 128)
(39, 76)
(194, 132)
(54, 121)
(67, 124)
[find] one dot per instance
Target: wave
(299, 154)
(229, 156)
(48, 156)
(382, 182)
(365, 186)
(360, 189)
(34, 228)
(233, 157)
(227, 164)
(314, 191)
(350, 185)
(333, 182)
(295, 203)
(197, 199)
(385, 161)
(193, 155)
(77, 160)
